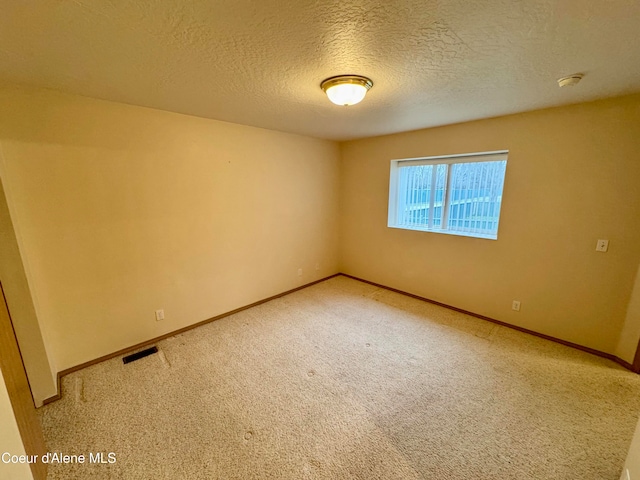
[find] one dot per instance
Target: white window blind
(459, 194)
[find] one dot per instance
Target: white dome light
(346, 89)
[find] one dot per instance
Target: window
(458, 194)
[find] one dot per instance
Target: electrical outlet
(317, 266)
(159, 315)
(515, 305)
(299, 272)
(602, 246)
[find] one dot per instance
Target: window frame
(394, 190)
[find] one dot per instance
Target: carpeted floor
(345, 380)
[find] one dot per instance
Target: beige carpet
(344, 380)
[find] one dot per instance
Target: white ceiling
(260, 62)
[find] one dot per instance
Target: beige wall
(632, 463)
(10, 440)
(573, 176)
(628, 342)
(123, 210)
(23, 316)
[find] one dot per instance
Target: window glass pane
(414, 195)
(476, 195)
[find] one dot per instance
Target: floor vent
(138, 355)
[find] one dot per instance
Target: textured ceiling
(261, 62)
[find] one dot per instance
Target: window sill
(447, 232)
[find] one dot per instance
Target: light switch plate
(602, 246)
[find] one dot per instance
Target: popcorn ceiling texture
(261, 63)
(346, 380)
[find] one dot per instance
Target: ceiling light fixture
(346, 89)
